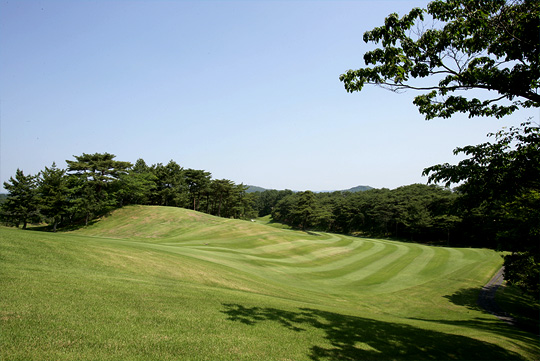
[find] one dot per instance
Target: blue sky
(247, 90)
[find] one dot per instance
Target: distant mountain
(252, 189)
(358, 189)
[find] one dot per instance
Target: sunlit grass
(168, 283)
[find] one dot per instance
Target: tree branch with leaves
(453, 47)
(499, 182)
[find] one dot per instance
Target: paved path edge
(486, 298)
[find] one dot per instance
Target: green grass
(167, 283)
(524, 310)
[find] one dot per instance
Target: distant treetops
(94, 184)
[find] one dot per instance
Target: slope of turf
(169, 283)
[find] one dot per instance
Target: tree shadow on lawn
(64, 228)
(496, 327)
(527, 320)
(358, 338)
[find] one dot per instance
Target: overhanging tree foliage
(500, 192)
(453, 47)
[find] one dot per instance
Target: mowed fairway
(159, 283)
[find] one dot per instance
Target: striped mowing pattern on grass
(168, 283)
(314, 259)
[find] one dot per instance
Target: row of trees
(94, 184)
(416, 212)
(496, 204)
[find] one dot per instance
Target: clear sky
(246, 90)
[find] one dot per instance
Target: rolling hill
(252, 189)
(170, 283)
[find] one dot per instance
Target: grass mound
(169, 283)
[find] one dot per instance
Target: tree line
(415, 212)
(495, 204)
(95, 184)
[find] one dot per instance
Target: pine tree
(53, 194)
(21, 205)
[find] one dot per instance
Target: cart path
(486, 298)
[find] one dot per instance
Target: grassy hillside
(169, 283)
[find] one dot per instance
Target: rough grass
(168, 283)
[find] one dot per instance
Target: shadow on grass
(358, 338)
(467, 297)
(525, 312)
(66, 227)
